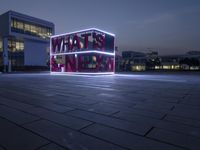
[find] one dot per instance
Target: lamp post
(5, 53)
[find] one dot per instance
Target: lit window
(31, 29)
(20, 25)
(1, 45)
(15, 45)
(27, 27)
(166, 67)
(21, 46)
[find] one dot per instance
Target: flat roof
(30, 18)
(90, 29)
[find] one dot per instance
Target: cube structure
(89, 51)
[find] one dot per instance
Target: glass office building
(24, 41)
(85, 51)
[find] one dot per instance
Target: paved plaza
(155, 111)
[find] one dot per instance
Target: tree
(151, 63)
(189, 61)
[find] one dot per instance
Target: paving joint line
(160, 141)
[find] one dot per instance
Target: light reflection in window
(30, 29)
(15, 45)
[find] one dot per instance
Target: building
(118, 59)
(137, 61)
(86, 51)
(188, 61)
(24, 41)
(133, 61)
(170, 62)
(132, 54)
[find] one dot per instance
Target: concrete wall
(35, 53)
(4, 24)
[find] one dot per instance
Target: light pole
(5, 53)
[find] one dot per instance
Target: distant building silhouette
(138, 61)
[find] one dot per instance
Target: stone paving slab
(127, 140)
(153, 107)
(68, 121)
(16, 116)
(192, 114)
(2, 148)
(42, 111)
(140, 112)
(183, 140)
(179, 128)
(13, 137)
(69, 138)
(133, 127)
(183, 120)
(14, 104)
(136, 118)
(51, 146)
(39, 101)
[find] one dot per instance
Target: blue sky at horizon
(168, 26)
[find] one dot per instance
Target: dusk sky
(168, 26)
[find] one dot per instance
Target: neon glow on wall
(85, 51)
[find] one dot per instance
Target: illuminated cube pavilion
(85, 51)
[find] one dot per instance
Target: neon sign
(85, 51)
(91, 39)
